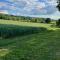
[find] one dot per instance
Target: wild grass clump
(7, 31)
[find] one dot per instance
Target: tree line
(28, 19)
(23, 18)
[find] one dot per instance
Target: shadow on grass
(10, 31)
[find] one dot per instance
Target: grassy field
(43, 45)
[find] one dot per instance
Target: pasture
(28, 41)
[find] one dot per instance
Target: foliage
(48, 20)
(21, 18)
(58, 23)
(58, 5)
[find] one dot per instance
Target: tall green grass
(31, 41)
(7, 31)
(41, 46)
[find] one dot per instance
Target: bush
(58, 23)
(48, 20)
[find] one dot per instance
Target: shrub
(58, 23)
(48, 20)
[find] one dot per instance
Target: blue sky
(36, 8)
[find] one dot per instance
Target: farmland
(29, 41)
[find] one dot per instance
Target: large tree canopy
(58, 6)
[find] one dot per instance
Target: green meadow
(29, 41)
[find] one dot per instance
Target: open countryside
(29, 29)
(29, 40)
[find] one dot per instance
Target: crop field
(29, 41)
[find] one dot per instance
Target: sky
(33, 8)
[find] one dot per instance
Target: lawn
(43, 45)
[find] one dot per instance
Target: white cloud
(34, 7)
(28, 3)
(53, 2)
(2, 4)
(4, 11)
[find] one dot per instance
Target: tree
(58, 23)
(58, 5)
(48, 20)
